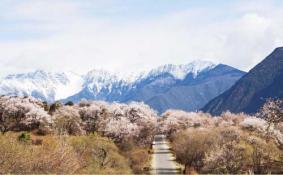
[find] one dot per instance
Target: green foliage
(24, 137)
(69, 103)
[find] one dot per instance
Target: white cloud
(75, 36)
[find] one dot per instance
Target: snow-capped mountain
(44, 85)
(100, 79)
(180, 71)
(96, 80)
(104, 85)
(187, 87)
(167, 86)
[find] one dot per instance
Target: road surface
(162, 158)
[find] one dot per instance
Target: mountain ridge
(162, 82)
(254, 88)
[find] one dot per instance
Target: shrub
(272, 111)
(69, 103)
(139, 159)
(19, 114)
(280, 127)
(37, 142)
(174, 120)
(232, 119)
(225, 150)
(191, 146)
(263, 154)
(14, 157)
(98, 155)
(120, 122)
(248, 154)
(254, 124)
(54, 107)
(61, 155)
(24, 137)
(53, 156)
(67, 121)
(229, 158)
(45, 106)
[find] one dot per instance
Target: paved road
(163, 160)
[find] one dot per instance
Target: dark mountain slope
(264, 81)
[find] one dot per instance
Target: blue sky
(133, 35)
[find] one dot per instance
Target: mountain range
(188, 87)
(264, 81)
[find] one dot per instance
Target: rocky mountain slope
(264, 81)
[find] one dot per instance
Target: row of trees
(23, 113)
(230, 143)
(120, 122)
(130, 127)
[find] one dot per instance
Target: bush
(120, 122)
(139, 159)
(54, 107)
(45, 106)
(192, 145)
(24, 137)
(37, 142)
(61, 155)
(53, 156)
(225, 150)
(230, 158)
(98, 155)
(69, 103)
(174, 120)
(22, 114)
(67, 121)
(272, 111)
(254, 124)
(14, 157)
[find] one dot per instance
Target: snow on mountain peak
(99, 75)
(180, 71)
(55, 86)
(42, 84)
(97, 79)
(198, 66)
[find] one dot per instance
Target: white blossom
(254, 123)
